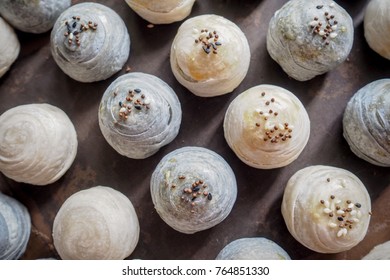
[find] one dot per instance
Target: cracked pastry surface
(90, 42)
(366, 123)
(15, 228)
(99, 223)
(326, 209)
(162, 12)
(193, 189)
(307, 38)
(254, 248)
(210, 55)
(38, 143)
(139, 113)
(266, 126)
(36, 16)
(9, 47)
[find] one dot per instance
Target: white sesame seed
(147, 101)
(327, 204)
(340, 233)
(353, 213)
(332, 225)
(355, 220)
(331, 5)
(313, 23)
(322, 33)
(338, 200)
(351, 205)
(327, 210)
(70, 36)
(122, 110)
(334, 27)
(167, 175)
(343, 28)
(340, 212)
(281, 126)
(333, 35)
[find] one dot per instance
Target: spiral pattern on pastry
(366, 123)
(193, 189)
(90, 42)
(15, 228)
(38, 143)
(210, 55)
(267, 127)
(307, 39)
(9, 47)
(254, 248)
(326, 209)
(139, 113)
(99, 223)
(162, 12)
(36, 16)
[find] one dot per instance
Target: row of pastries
(193, 188)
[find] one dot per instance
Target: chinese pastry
(162, 12)
(266, 126)
(99, 223)
(210, 55)
(9, 47)
(193, 189)
(379, 252)
(377, 25)
(90, 42)
(255, 248)
(38, 143)
(15, 227)
(308, 38)
(139, 113)
(366, 123)
(36, 16)
(326, 209)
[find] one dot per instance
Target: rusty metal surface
(36, 78)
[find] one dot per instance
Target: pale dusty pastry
(309, 38)
(99, 223)
(90, 42)
(162, 11)
(9, 47)
(139, 113)
(38, 143)
(267, 127)
(255, 248)
(33, 16)
(377, 26)
(379, 252)
(15, 227)
(326, 209)
(193, 189)
(366, 123)
(210, 55)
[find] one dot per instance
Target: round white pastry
(377, 26)
(9, 47)
(210, 55)
(267, 127)
(36, 16)
(326, 209)
(366, 123)
(307, 39)
(193, 189)
(379, 252)
(38, 143)
(162, 12)
(15, 228)
(139, 113)
(255, 248)
(99, 223)
(90, 42)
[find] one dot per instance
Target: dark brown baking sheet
(35, 78)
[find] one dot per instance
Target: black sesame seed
(340, 219)
(358, 205)
(196, 189)
(218, 43)
(209, 196)
(74, 24)
(206, 50)
(138, 107)
(137, 90)
(320, 6)
(214, 47)
(76, 33)
(193, 198)
(120, 103)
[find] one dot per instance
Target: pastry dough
(366, 123)
(327, 209)
(379, 252)
(90, 42)
(33, 16)
(267, 127)
(15, 227)
(309, 38)
(139, 113)
(38, 143)
(377, 26)
(9, 47)
(193, 189)
(99, 223)
(162, 12)
(255, 248)
(210, 55)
